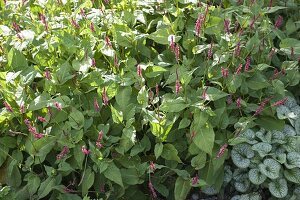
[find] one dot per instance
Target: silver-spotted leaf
(256, 177)
(270, 168)
(278, 188)
(292, 160)
(262, 148)
(292, 175)
(241, 155)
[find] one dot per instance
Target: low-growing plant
(268, 159)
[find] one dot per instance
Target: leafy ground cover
(149, 99)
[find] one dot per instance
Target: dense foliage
(146, 99)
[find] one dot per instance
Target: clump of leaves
(269, 159)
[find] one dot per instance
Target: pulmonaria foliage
(271, 158)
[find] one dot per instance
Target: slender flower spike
(195, 180)
(47, 74)
(139, 71)
(204, 94)
(93, 62)
(272, 52)
(27, 122)
(222, 151)
(152, 166)
(108, 42)
(92, 27)
(226, 26)
(7, 106)
(104, 97)
(156, 90)
(22, 109)
(172, 43)
(152, 190)
(237, 50)
(96, 105)
(236, 26)
(43, 20)
(106, 1)
(225, 72)
(82, 13)
(247, 65)
(38, 136)
(116, 61)
(41, 119)
(210, 51)
(280, 102)
(239, 69)
(275, 74)
(58, 106)
(177, 53)
(270, 4)
(278, 22)
(85, 151)
(16, 27)
(262, 106)
(63, 152)
(99, 139)
(74, 23)
(199, 24)
(238, 102)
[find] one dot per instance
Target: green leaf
(204, 138)
(278, 188)
(256, 177)
(270, 123)
(200, 48)
(214, 94)
(39, 102)
(16, 60)
(33, 183)
(46, 187)
(182, 188)
(158, 149)
(270, 168)
(76, 119)
(123, 96)
(161, 36)
(87, 181)
(199, 161)
(185, 122)
(142, 97)
(173, 105)
(241, 155)
(292, 175)
(130, 176)
(117, 116)
(13, 175)
(170, 153)
(82, 66)
(257, 82)
(293, 160)
(262, 148)
(113, 173)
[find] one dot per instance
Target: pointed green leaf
(182, 188)
(113, 173)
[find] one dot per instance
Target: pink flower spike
(195, 180)
(47, 74)
(93, 62)
(38, 136)
(247, 65)
(41, 119)
(22, 109)
(177, 53)
(82, 13)
(58, 106)
(152, 166)
(280, 102)
(104, 97)
(156, 90)
(227, 26)
(116, 61)
(237, 50)
(139, 71)
(229, 99)
(210, 51)
(152, 190)
(27, 122)
(222, 151)
(172, 44)
(239, 69)
(278, 22)
(85, 150)
(7, 106)
(96, 105)
(99, 139)
(204, 94)
(92, 27)
(199, 24)
(74, 23)
(108, 42)
(224, 72)
(238, 102)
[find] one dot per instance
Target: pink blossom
(172, 44)
(38, 136)
(82, 13)
(236, 26)
(99, 139)
(7, 106)
(278, 22)
(239, 69)
(41, 119)
(74, 23)
(104, 97)
(152, 166)
(27, 122)
(275, 74)
(247, 65)
(58, 106)
(92, 27)
(238, 102)
(229, 99)
(93, 62)
(47, 74)
(156, 90)
(237, 50)
(195, 180)
(43, 20)
(225, 72)
(64, 151)
(199, 24)
(139, 71)
(177, 53)
(106, 1)
(22, 109)
(280, 102)
(108, 42)
(85, 150)
(16, 26)
(152, 190)
(116, 61)
(204, 94)
(177, 84)
(222, 150)
(96, 105)
(262, 106)
(227, 26)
